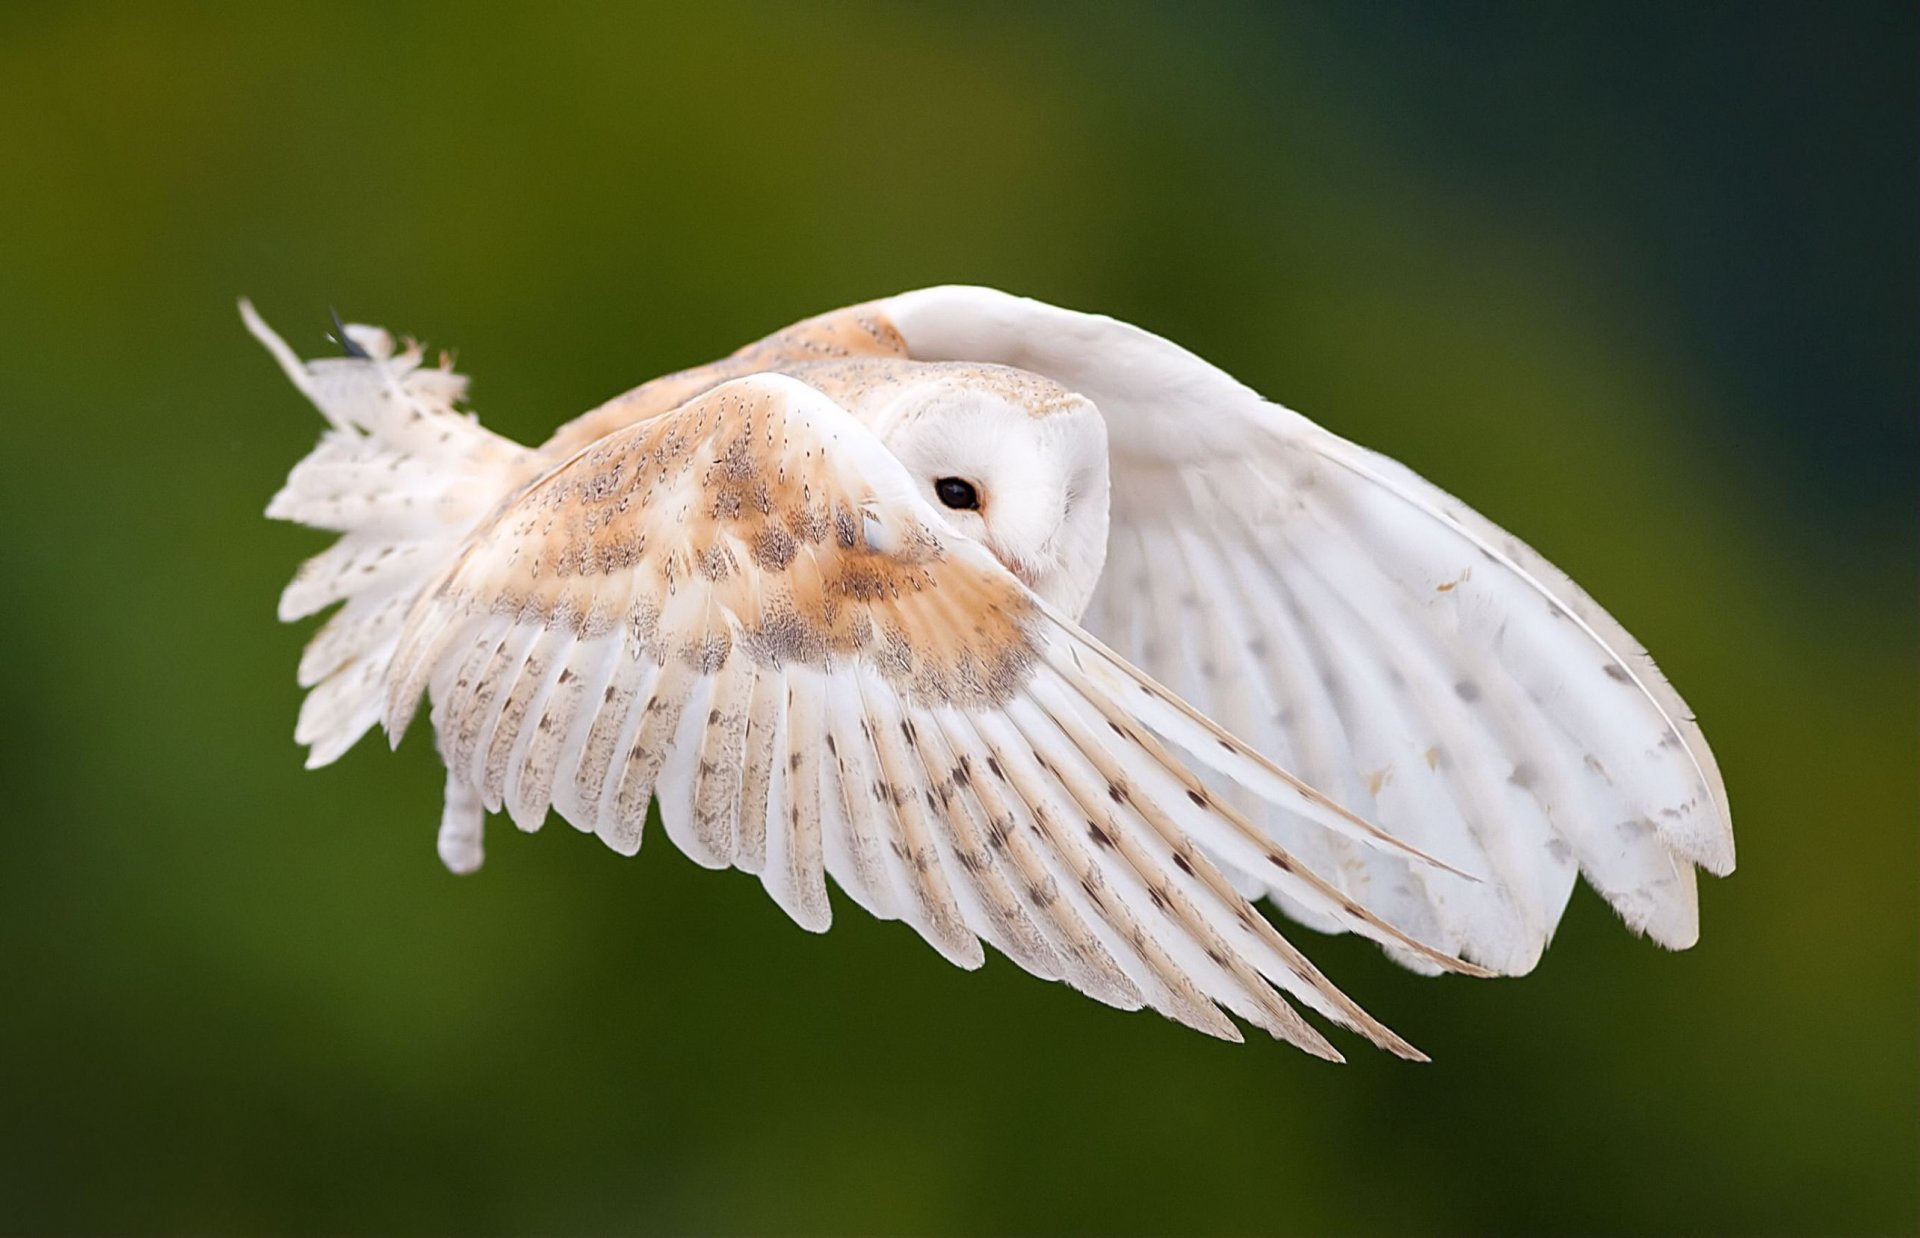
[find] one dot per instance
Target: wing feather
(803, 852)
(711, 826)
(466, 695)
(1375, 636)
(486, 700)
(609, 739)
(1085, 963)
(636, 763)
(756, 779)
(513, 730)
(1102, 669)
(908, 849)
(582, 673)
(598, 666)
(793, 874)
(1163, 983)
(981, 885)
(1449, 756)
(367, 622)
(1284, 715)
(853, 829)
(1226, 832)
(1194, 938)
(743, 611)
(1502, 768)
(1202, 881)
(340, 709)
(1679, 755)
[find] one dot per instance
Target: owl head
(1012, 461)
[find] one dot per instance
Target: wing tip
(811, 915)
(271, 340)
(1718, 855)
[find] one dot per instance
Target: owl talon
(345, 341)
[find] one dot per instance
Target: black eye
(958, 493)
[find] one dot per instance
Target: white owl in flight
(1026, 626)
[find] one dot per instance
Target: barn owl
(1026, 626)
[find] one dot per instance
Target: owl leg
(461, 825)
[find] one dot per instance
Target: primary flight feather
(1026, 627)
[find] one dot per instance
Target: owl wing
(743, 608)
(1380, 639)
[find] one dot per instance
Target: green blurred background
(1638, 281)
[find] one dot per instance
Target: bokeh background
(1639, 280)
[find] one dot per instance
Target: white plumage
(823, 602)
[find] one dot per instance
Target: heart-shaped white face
(1016, 463)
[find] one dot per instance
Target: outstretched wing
(1377, 637)
(743, 608)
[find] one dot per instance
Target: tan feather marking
(1192, 861)
(1177, 996)
(980, 865)
(530, 787)
(804, 848)
(855, 356)
(726, 482)
(429, 655)
(475, 720)
(559, 652)
(458, 669)
(897, 796)
(539, 668)
(1086, 964)
(611, 733)
(1109, 809)
(975, 866)
(1339, 905)
(849, 773)
(599, 680)
(763, 729)
(641, 761)
(717, 777)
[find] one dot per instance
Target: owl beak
(1026, 575)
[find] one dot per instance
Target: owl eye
(957, 493)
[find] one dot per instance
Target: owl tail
(403, 478)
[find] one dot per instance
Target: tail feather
(403, 477)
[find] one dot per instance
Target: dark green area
(1637, 281)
